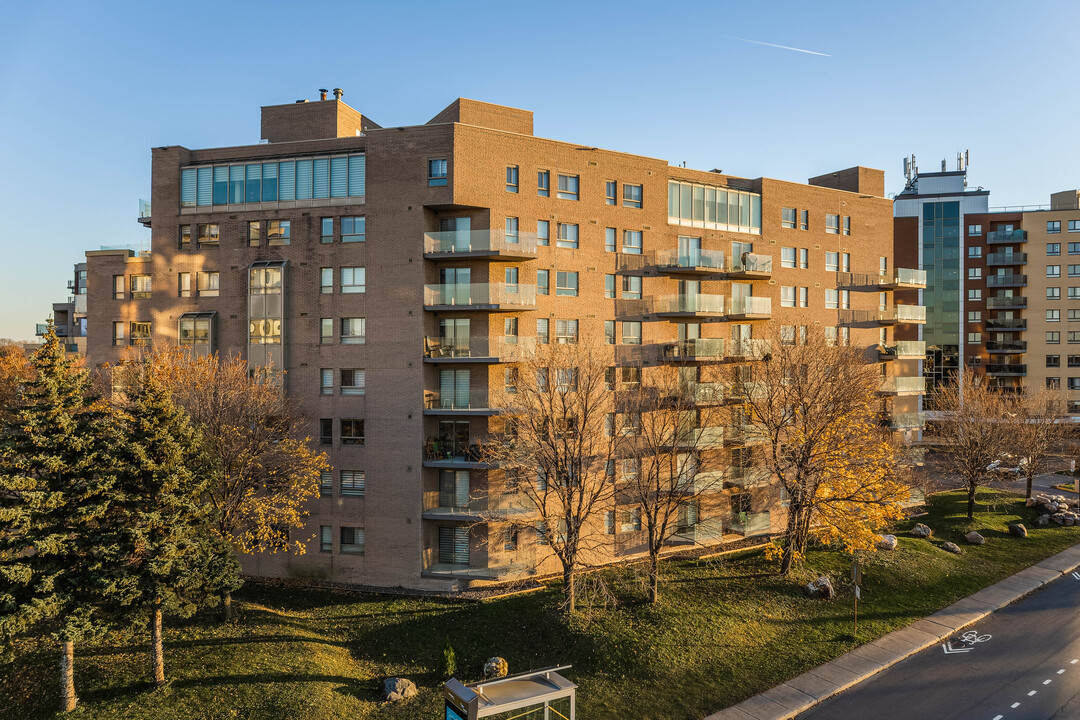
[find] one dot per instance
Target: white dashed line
(1015, 705)
(1032, 693)
(1061, 671)
(1073, 661)
(998, 717)
(1046, 682)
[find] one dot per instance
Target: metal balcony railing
(690, 260)
(480, 242)
(479, 348)
(1005, 237)
(480, 295)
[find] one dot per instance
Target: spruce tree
(56, 486)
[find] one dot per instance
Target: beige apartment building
(396, 274)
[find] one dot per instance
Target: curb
(801, 693)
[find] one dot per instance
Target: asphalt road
(1025, 665)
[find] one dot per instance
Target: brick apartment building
(998, 296)
(393, 272)
(69, 317)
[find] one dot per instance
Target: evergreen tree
(54, 498)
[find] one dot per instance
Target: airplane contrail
(782, 47)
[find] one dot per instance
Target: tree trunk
(797, 532)
(67, 677)
(226, 605)
(569, 590)
(654, 576)
(971, 500)
(1029, 481)
(157, 654)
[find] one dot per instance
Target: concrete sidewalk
(803, 692)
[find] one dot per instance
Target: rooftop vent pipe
(338, 92)
(322, 93)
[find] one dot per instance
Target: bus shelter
(536, 695)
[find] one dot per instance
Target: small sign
(856, 573)
(858, 595)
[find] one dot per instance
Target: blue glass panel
(221, 185)
(303, 179)
(339, 171)
(236, 184)
(357, 175)
(187, 187)
(321, 178)
(269, 182)
(287, 180)
(755, 211)
(205, 193)
(254, 183)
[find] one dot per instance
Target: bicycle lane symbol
(965, 643)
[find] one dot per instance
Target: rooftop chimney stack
(322, 93)
(338, 93)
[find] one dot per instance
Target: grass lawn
(724, 630)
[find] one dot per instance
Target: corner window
(436, 172)
(568, 187)
(632, 195)
(279, 232)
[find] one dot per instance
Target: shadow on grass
(368, 690)
(210, 642)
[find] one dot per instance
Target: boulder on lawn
(975, 538)
(921, 531)
(1042, 520)
(951, 547)
(820, 589)
(886, 542)
(495, 667)
(1031, 502)
(396, 688)
(1017, 530)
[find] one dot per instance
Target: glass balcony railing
(41, 328)
(1006, 324)
(1012, 370)
(144, 209)
(502, 349)
(748, 523)
(480, 295)
(905, 349)
(751, 264)
(1016, 258)
(1007, 280)
(751, 349)
(1012, 302)
(907, 421)
(702, 260)
(903, 386)
(689, 304)
(1005, 237)
(1006, 346)
(458, 400)
(697, 349)
(903, 278)
(761, 306)
(480, 242)
(903, 314)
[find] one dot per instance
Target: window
(140, 286)
(118, 333)
(1074, 226)
(974, 230)
(787, 334)
(804, 219)
(1053, 293)
(352, 482)
(254, 233)
(631, 287)
(326, 484)
(183, 284)
(631, 195)
(568, 187)
(352, 540)
(353, 331)
(787, 296)
(1074, 383)
(804, 258)
(326, 381)
(1053, 226)
(566, 332)
(542, 283)
(140, 333)
(846, 262)
(975, 294)
(326, 230)
(1053, 361)
(1053, 271)
(510, 277)
(631, 333)
(510, 329)
(847, 224)
(610, 188)
(353, 229)
(352, 432)
(974, 316)
(566, 283)
(1074, 316)
(279, 232)
(512, 230)
(1074, 293)
(1074, 271)
(326, 538)
(353, 381)
(609, 332)
(353, 279)
(185, 237)
(832, 224)
(512, 178)
(787, 257)
(1053, 248)
(1074, 248)
(974, 338)
(630, 520)
(289, 179)
(609, 239)
(1073, 360)
(568, 235)
(630, 377)
(787, 218)
(1053, 337)
(845, 299)
(975, 251)
(1053, 383)
(326, 331)
(543, 232)
(436, 171)
(832, 299)
(832, 261)
(542, 331)
(326, 431)
(208, 233)
(543, 183)
(609, 378)
(631, 242)
(208, 284)
(510, 376)
(1073, 337)
(804, 297)
(609, 286)
(326, 280)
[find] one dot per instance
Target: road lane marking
(1076, 575)
(1032, 693)
(1015, 705)
(1046, 682)
(1073, 661)
(1061, 671)
(998, 717)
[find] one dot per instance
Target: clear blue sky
(87, 88)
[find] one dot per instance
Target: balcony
(450, 453)
(1006, 281)
(1013, 302)
(903, 386)
(1015, 258)
(747, 476)
(487, 244)
(460, 402)
(903, 349)
(455, 509)
(914, 314)
(489, 297)
(745, 434)
(691, 262)
(1006, 370)
(480, 349)
(1006, 237)
(697, 350)
(748, 523)
(906, 421)
(740, 391)
(144, 212)
(748, 349)
(1006, 346)
(750, 308)
(751, 265)
(689, 305)
(902, 279)
(41, 329)
(703, 437)
(1006, 324)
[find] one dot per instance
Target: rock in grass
(921, 531)
(886, 542)
(1018, 530)
(951, 547)
(820, 589)
(495, 667)
(1042, 520)
(975, 538)
(396, 688)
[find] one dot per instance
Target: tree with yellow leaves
(815, 405)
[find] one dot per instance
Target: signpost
(856, 577)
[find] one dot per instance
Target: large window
(208, 233)
(353, 331)
(279, 232)
(353, 280)
(352, 482)
(632, 195)
(208, 284)
(568, 235)
(140, 286)
(566, 332)
(631, 287)
(287, 180)
(713, 207)
(194, 330)
(353, 229)
(566, 283)
(353, 381)
(352, 540)
(631, 333)
(1053, 226)
(568, 187)
(352, 432)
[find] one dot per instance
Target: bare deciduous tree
(1039, 428)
